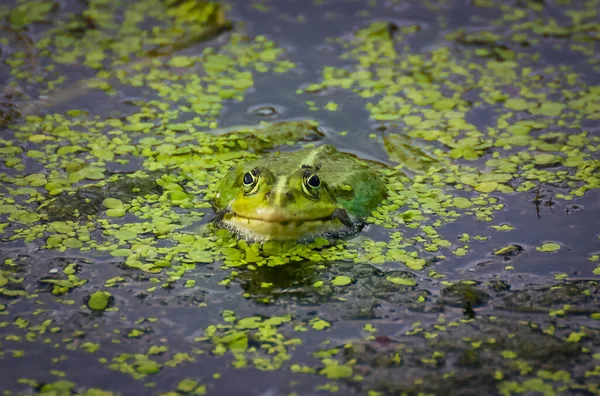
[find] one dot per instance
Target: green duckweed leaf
(99, 300)
(341, 280)
(548, 247)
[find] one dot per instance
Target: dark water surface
(479, 274)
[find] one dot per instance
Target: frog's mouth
(260, 230)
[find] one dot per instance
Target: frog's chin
(257, 230)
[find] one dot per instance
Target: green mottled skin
(280, 205)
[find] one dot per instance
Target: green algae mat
(479, 273)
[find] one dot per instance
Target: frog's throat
(338, 225)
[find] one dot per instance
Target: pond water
(478, 273)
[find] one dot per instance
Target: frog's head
(263, 206)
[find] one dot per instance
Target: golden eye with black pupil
(314, 181)
(311, 184)
(250, 181)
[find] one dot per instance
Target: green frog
(299, 195)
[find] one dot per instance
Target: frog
(301, 195)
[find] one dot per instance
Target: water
(424, 299)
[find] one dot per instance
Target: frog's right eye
(250, 181)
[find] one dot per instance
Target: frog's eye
(250, 181)
(314, 181)
(311, 184)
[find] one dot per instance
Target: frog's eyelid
(316, 167)
(253, 172)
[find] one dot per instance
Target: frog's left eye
(250, 181)
(311, 184)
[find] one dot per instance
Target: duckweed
(113, 143)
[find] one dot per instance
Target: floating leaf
(336, 371)
(341, 280)
(402, 281)
(548, 247)
(551, 108)
(99, 300)
(546, 159)
(516, 104)
(486, 187)
(30, 12)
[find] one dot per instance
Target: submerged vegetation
(468, 276)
